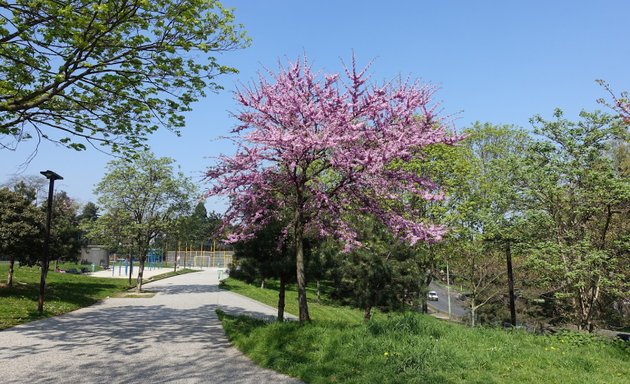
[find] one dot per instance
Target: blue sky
(495, 61)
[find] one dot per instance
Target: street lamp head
(50, 175)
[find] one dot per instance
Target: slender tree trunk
(130, 268)
(140, 274)
(262, 284)
(319, 293)
(299, 262)
(367, 315)
(10, 274)
(281, 295)
(472, 312)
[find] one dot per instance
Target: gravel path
(173, 337)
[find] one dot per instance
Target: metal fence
(200, 259)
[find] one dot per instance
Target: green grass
(415, 348)
(64, 292)
(269, 296)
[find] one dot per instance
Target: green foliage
(576, 197)
(21, 230)
(414, 348)
(265, 256)
(20, 225)
(198, 227)
(481, 207)
(383, 273)
(65, 234)
(141, 200)
(109, 72)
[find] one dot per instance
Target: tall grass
(414, 348)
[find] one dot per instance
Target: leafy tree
(21, 230)
(383, 273)
(578, 200)
(319, 147)
(89, 212)
(266, 256)
(481, 204)
(65, 233)
(108, 72)
(141, 200)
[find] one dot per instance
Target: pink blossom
(324, 147)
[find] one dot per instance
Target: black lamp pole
(52, 176)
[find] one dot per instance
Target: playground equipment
(155, 259)
(121, 262)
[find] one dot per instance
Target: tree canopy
(21, 229)
(110, 72)
(140, 200)
(320, 148)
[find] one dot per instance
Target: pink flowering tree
(322, 149)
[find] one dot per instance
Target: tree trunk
(472, 312)
(367, 315)
(140, 274)
(130, 268)
(299, 262)
(10, 275)
(262, 284)
(281, 294)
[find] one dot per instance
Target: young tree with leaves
(21, 230)
(109, 72)
(320, 147)
(481, 204)
(578, 200)
(142, 197)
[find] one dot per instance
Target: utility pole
(508, 259)
(448, 290)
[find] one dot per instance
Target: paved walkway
(173, 337)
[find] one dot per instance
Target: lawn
(414, 348)
(64, 293)
(269, 296)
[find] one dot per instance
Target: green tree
(577, 199)
(141, 199)
(481, 204)
(383, 273)
(266, 256)
(65, 233)
(89, 212)
(108, 72)
(21, 230)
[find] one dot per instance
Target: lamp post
(52, 176)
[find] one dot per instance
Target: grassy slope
(270, 297)
(64, 293)
(413, 348)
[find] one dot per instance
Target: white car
(432, 296)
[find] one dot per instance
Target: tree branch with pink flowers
(326, 147)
